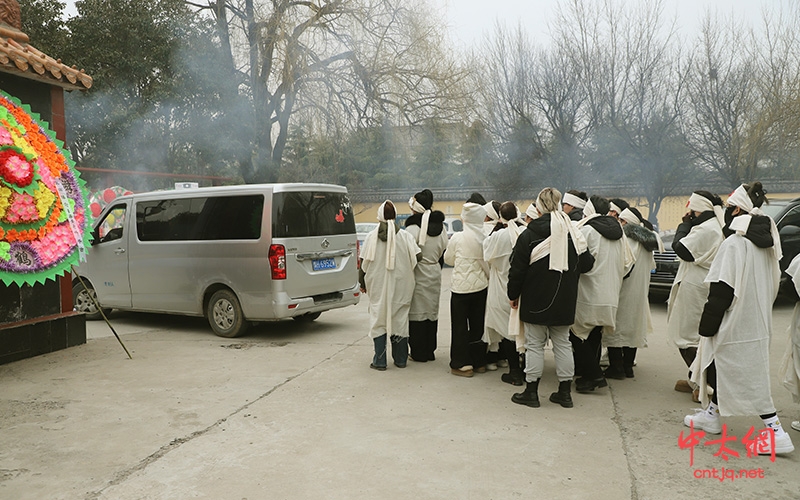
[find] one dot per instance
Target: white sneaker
(783, 444)
(796, 425)
(703, 421)
(502, 363)
(492, 367)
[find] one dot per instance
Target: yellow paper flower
(5, 195)
(44, 199)
(22, 144)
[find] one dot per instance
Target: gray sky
(470, 19)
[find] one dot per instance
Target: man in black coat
(545, 292)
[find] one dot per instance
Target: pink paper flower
(22, 209)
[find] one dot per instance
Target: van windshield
(311, 213)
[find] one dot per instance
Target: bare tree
(561, 100)
(776, 47)
(728, 126)
(354, 61)
(633, 78)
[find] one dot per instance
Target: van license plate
(322, 264)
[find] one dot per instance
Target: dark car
(785, 213)
(663, 276)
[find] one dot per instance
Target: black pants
(422, 339)
(508, 350)
(587, 353)
(467, 312)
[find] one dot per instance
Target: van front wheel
(84, 300)
(225, 315)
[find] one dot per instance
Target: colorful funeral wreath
(43, 200)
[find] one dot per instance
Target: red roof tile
(19, 58)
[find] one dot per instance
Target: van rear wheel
(84, 300)
(225, 315)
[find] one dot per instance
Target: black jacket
(576, 214)
(608, 227)
(435, 222)
(547, 297)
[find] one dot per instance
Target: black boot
(585, 385)
(513, 377)
(628, 357)
(615, 364)
(530, 397)
(563, 396)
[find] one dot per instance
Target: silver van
(232, 254)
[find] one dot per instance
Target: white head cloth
(532, 212)
(513, 228)
(614, 208)
(740, 198)
(699, 203)
(390, 244)
(571, 199)
(561, 228)
(589, 210)
(491, 212)
(630, 217)
(426, 216)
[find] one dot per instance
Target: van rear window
(204, 218)
(304, 213)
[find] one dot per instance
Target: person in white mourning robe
(427, 228)
(790, 365)
(633, 323)
(736, 325)
(696, 242)
(497, 248)
(598, 291)
(386, 275)
(469, 283)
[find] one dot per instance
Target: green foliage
(43, 22)
(153, 106)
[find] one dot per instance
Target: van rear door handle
(323, 255)
(119, 251)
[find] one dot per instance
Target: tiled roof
(20, 58)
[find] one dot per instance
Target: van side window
(110, 228)
(206, 218)
(307, 213)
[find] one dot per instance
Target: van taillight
(277, 261)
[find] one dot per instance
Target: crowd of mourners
(575, 271)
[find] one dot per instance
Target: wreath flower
(15, 168)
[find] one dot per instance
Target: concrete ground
(292, 411)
